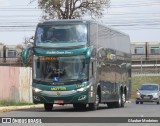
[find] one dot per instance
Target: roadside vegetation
(137, 80)
(13, 103)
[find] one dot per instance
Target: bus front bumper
(60, 97)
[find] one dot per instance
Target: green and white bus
(80, 62)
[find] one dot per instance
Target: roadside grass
(138, 80)
(13, 103)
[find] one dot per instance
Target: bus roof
(65, 21)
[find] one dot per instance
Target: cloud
(118, 10)
(4, 2)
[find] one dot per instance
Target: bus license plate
(59, 101)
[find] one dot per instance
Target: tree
(27, 43)
(19, 61)
(19, 46)
(71, 9)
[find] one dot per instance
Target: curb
(10, 108)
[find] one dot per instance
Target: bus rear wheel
(48, 106)
(121, 101)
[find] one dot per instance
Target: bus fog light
(36, 98)
(82, 97)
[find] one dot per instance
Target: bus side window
(91, 70)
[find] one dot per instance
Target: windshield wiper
(49, 41)
(78, 80)
(40, 80)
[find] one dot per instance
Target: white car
(148, 93)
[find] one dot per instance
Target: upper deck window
(139, 50)
(61, 35)
(154, 50)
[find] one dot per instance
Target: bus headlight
(84, 88)
(81, 89)
(37, 90)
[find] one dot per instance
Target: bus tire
(123, 99)
(119, 103)
(95, 105)
(48, 106)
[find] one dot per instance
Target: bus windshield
(61, 35)
(60, 69)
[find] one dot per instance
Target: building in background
(145, 57)
(1, 53)
(9, 54)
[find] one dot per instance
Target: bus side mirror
(88, 55)
(25, 53)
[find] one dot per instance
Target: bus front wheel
(95, 105)
(48, 106)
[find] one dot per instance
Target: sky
(140, 19)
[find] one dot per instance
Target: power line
(119, 5)
(137, 21)
(2, 8)
(9, 16)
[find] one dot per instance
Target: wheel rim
(120, 101)
(97, 101)
(123, 97)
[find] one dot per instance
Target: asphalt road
(130, 110)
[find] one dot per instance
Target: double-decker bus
(80, 62)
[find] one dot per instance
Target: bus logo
(110, 56)
(56, 79)
(58, 93)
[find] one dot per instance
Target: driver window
(39, 35)
(49, 34)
